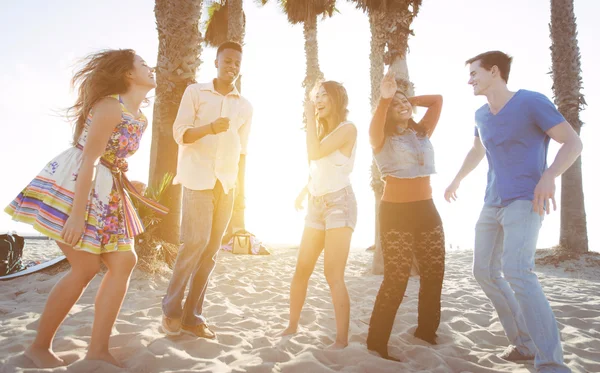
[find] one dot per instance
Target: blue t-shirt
(516, 145)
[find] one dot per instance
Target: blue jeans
(206, 214)
(503, 263)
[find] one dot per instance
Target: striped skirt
(47, 201)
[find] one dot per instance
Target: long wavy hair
(103, 74)
(390, 128)
(339, 102)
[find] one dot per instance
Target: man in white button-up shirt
(211, 128)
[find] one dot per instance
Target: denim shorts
(332, 210)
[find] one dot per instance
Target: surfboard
(34, 268)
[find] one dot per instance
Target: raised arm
(433, 103)
(338, 139)
(377, 128)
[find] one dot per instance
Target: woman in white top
(331, 216)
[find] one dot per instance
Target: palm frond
(214, 6)
(299, 11)
(216, 26)
(374, 5)
(156, 193)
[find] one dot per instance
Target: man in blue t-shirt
(513, 131)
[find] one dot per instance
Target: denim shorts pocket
(335, 199)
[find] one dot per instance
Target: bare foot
(337, 346)
(43, 358)
(384, 355)
(289, 331)
(104, 356)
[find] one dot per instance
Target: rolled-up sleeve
(186, 115)
(244, 130)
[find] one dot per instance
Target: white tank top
(332, 172)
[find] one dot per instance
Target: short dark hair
(229, 45)
(494, 58)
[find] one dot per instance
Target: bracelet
(212, 129)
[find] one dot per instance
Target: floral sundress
(111, 222)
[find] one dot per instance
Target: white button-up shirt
(214, 157)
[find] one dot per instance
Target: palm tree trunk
(378, 41)
(178, 59)
(397, 26)
(311, 49)
(236, 32)
(566, 68)
(391, 28)
(235, 21)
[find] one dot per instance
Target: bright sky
(40, 45)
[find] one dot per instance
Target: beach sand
(247, 306)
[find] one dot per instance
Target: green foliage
(149, 217)
(152, 252)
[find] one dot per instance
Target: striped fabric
(111, 222)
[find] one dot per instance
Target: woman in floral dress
(82, 198)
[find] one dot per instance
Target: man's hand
(450, 193)
(543, 193)
(220, 125)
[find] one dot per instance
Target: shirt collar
(211, 87)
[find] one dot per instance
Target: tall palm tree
(178, 59)
(566, 68)
(227, 22)
(390, 22)
(307, 13)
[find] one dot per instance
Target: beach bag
(242, 243)
(11, 251)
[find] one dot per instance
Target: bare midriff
(398, 190)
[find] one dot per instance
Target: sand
(247, 306)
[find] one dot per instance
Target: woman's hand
(300, 200)
(73, 229)
(309, 109)
(388, 85)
